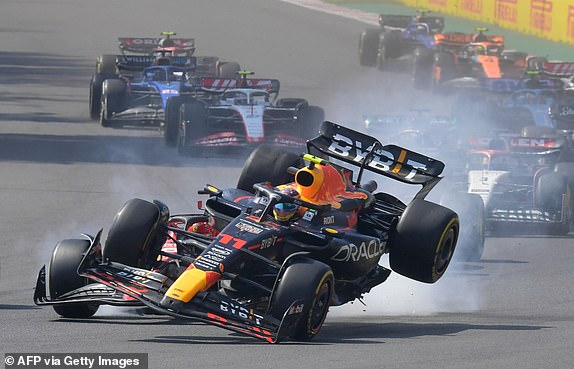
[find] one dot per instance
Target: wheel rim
(320, 307)
(381, 57)
(445, 252)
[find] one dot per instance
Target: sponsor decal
(366, 251)
(170, 92)
(532, 142)
(329, 220)
(441, 3)
(268, 242)
(309, 214)
(296, 309)
(506, 10)
(139, 59)
(218, 140)
(248, 227)
(213, 257)
(541, 15)
(509, 85)
(135, 275)
(472, 6)
(382, 160)
(240, 311)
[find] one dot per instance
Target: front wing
(119, 284)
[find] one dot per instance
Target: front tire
(63, 277)
(471, 212)
(114, 95)
(268, 163)
(136, 234)
(312, 283)
(171, 124)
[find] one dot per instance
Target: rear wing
(435, 24)
(149, 44)
(565, 69)
(372, 121)
(368, 153)
(508, 85)
(218, 85)
(461, 39)
(139, 62)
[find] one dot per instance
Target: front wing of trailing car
(227, 127)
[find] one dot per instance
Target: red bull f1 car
(268, 257)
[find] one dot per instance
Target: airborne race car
(241, 113)
(263, 260)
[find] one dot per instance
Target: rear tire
(312, 282)
(444, 68)
(95, 101)
(471, 212)
(106, 64)
(172, 120)
(422, 68)
(368, 42)
(114, 95)
(63, 277)
(551, 190)
(192, 125)
(228, 70)
(424, 241)
(310, 119)
(268, 163)
(137, 234)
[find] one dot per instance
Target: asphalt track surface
(62, 174)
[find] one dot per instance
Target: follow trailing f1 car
(138, 54)
(268, 257)
(241, 112)
(524, 179)
(398, 35)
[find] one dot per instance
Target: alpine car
(524, 180)
(139, 53)
(398, 35)
(145, 100)
(270, 256)
(242, 113)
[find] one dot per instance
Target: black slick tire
(63, 277)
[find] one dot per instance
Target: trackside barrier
(549, 19)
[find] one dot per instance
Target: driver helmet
(284, 211)
(166, 42)
(479, 50)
